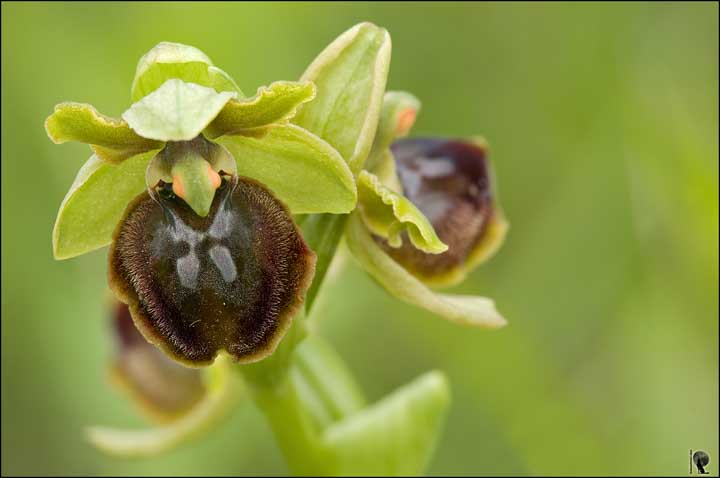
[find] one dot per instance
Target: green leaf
(174, 60)
(177, 111)
(271, 104)
(111, 139)
(95, 203)
(388, 214)
(224, 390)
(464, 310)
(350, 76)
(302, 170)
(394, 437)
(398, 114)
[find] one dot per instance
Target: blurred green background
(603, 124)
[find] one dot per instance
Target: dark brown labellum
(450, 182)
(162, 387)
(197, 285)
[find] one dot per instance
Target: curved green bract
(302, 170)
(177, 111)
(395, 436)
(112, 139)
(95, 203)
(389, 214)
(350, 76)
(323, 382)
(271, 104)
(174, 60)
(464, 310)
(223, 391)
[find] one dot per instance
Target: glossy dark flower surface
(198, 285)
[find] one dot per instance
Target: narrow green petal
(389, 214)
(394, 437)
(302, 170)
(177, 111)
(350, 75)
(397, 116)
(95, 203)
(112, 139)
(271, 104)
(464, 310)
(174, 60)
(223, 392)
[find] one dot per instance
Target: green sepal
(111, 139)
(177, 111)
(389, 214)
(302, 170)
(350, 76)
(472, 311)
(168, 60)
(271, 104)
(95, 203)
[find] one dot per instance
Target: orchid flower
(223, 214)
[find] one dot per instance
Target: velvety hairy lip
(197, 285)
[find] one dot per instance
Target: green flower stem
(317, 392)
(295, 432)
(276, 393)
(322, 232)
(323, 426)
